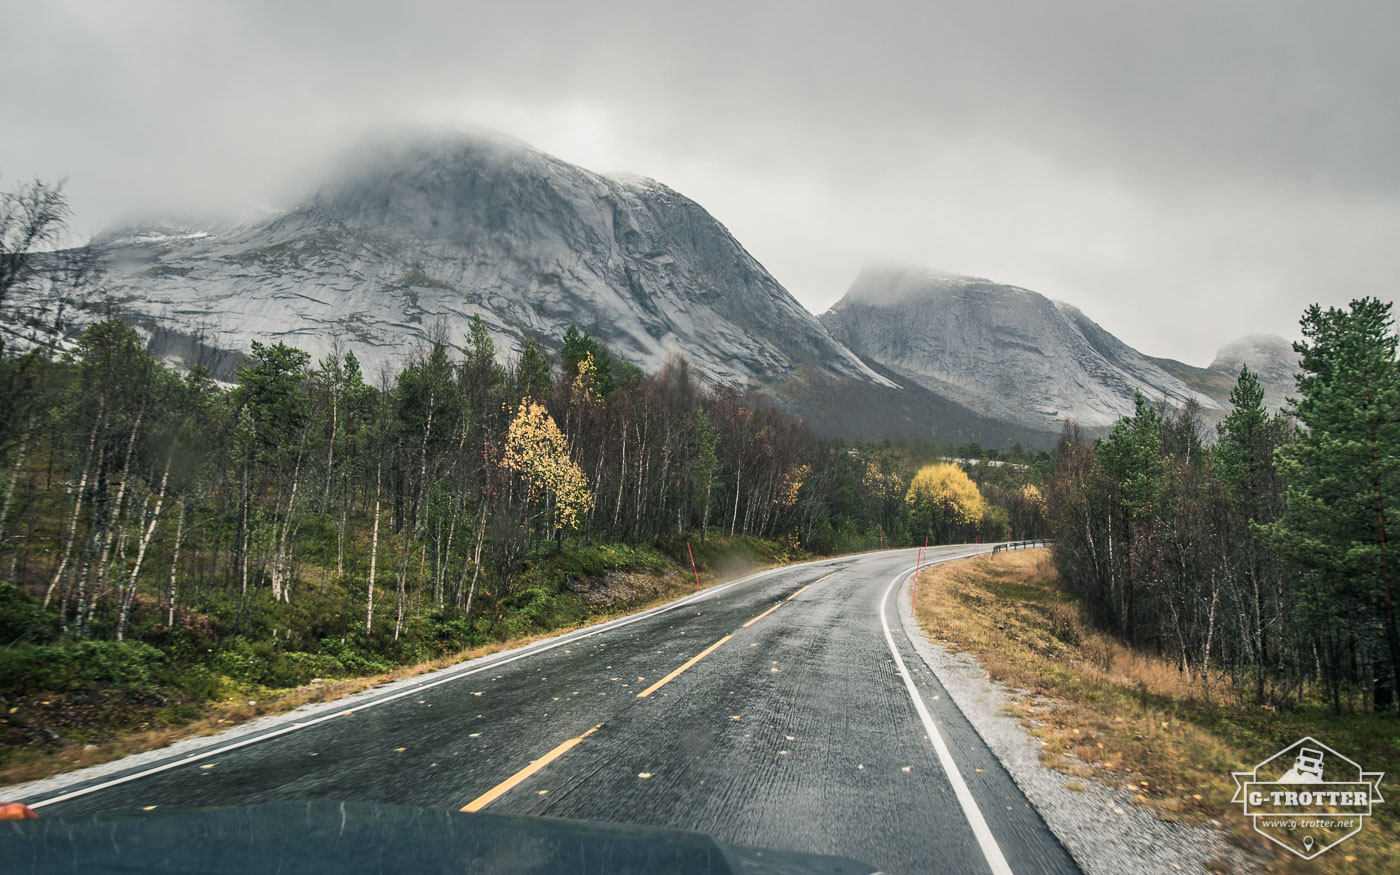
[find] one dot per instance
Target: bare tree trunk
(661, 483)
(374, 546)
(597, 488)
(244, 524)
(281, 585)
(476, 560)
(11, 481)
(738, 480)
(641, 514)
(174, 564)
(1204, 661)
(77, 505)
(423, 464)
(340, 544)
(330, 445)
(71, 537)
(401, 589)
(124, 603)
(621, 479)
(87, 606)
(705, 520)
(442, 562)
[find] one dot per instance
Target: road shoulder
(1100, 827)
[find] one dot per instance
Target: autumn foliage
(536, 449)
(943, 501)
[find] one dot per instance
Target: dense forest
(309, 509)
(1266, 561)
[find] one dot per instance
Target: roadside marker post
(692, 564)
(918, 563)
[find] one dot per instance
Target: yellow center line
(818, 580)
(508, 784)
(505, 786)
(688, 663)
(762, 615)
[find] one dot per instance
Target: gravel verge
(1101, 827)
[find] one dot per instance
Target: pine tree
(1132, 460)
(1243, 460)
(577, 347)
(532, 378)
(1343, 474)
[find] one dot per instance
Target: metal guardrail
(1021, 545)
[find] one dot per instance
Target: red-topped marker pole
(914, 581)
(692, 564)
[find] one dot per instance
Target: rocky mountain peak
(1262, 352)
(999, 348)
(414, 234)
(1269, 356)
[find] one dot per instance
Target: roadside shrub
(353, 656)
(262, 663)
(22, 618)
(302, 667)
(454, 633)
(81, 665)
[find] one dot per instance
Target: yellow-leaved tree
(585, 387)
(943, 502)
(1026, 511)
(792, 485)
(536, 449)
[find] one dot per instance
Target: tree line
(131, 485)
(1267, 560)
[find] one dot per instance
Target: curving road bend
(787, 710)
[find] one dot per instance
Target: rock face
(420, 235)
(1018, 356)
(1269, 356)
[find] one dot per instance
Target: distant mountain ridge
(1022, 358)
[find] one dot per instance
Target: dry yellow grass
(1109, 713)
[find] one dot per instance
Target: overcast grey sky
(1184, 172)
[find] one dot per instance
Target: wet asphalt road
(797, 732)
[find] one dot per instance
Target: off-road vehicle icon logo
(1307, 797)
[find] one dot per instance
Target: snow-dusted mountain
(427, 232)
(1269, 356)
(412, 238)
(1022, 358)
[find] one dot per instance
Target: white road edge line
(418, 688)
(990, 849)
